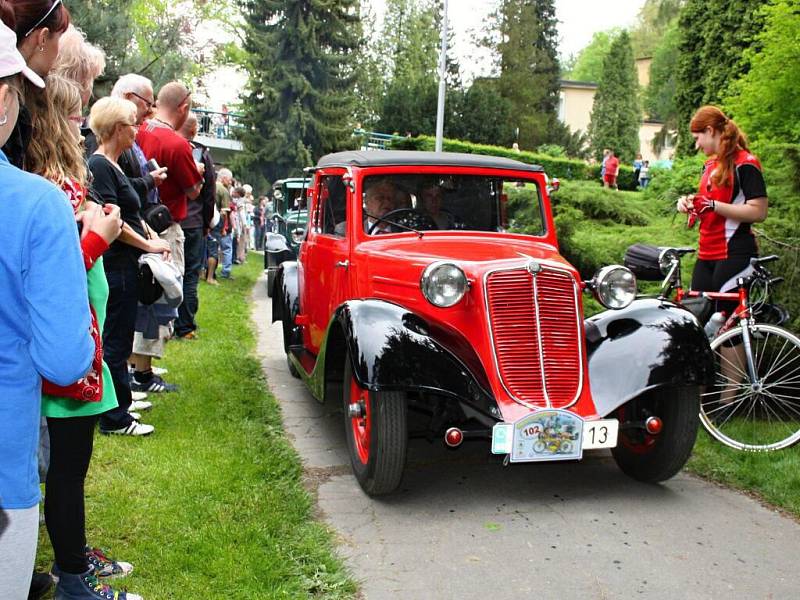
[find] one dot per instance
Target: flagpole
(442, 82)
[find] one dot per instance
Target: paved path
(465, 527)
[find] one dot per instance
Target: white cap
(11, 61)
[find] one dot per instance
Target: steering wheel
(422, 220)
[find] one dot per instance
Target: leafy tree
(410, 43)
(525, 42)
(659, 97)
(300, 96)
(483, 115)
(616, 115)
(715, 35)
(150, 37)
(655, 18)
(766, 101)
(589, 62)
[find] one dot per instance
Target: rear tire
(377, 441)
(654, 458)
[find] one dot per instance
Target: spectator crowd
(113, 215)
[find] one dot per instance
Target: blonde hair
(107, 113)
(79, 60)
(53, 152)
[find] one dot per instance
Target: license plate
(547, 435)
(600, 434)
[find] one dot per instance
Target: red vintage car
(412, 298)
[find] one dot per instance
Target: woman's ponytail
(731, 140)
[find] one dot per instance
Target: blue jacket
(44, 319)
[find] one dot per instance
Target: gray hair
(132, 83)
(223, 172)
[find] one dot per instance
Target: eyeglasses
(43, 19)
(149, 104)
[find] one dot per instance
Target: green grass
(773, 477)
(212, 504)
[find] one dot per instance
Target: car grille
(536, 335)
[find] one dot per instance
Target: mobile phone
(152, 165)
(197, 154)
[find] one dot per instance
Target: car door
(325, 257)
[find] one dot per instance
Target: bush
(563, 168)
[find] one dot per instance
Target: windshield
(395, 203)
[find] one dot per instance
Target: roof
(292, 182)
(392, 158)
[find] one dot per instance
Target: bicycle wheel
(757, 416)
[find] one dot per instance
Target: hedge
(563, 168)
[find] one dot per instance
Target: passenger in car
(432, 203)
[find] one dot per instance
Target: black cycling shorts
(720, 276)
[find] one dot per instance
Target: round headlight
(443, 284)
(298, 235)
(615, 286)
(665, 260)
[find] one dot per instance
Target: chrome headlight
(443, 284)
(298, 235)
(614, 286)
(666, 259)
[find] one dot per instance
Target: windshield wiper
(400, 225)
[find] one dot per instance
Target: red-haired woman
(732, 195)
(39, 25)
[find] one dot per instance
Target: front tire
(376, 427)
(654, 458)
(270, 281)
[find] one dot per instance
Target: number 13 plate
(552, 435)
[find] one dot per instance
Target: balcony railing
(215, 124)
(372, 140)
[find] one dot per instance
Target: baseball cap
(11, 61)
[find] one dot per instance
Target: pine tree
(714, 37)
(529, 69)
(616, 116)
(302, 77)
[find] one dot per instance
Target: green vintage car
(286, 228)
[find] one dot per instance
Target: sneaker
(136, 416)
(138, 405)
(188, 336)
(159, 371)
(138, 396)
(135, 429)
(87, 587)
(106, 567)
(151, 383)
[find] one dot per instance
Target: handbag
(148, 287)
(158, 217)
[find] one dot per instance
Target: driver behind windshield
(432, 203)
(380, 199)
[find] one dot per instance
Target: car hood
(474, 253)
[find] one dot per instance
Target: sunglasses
(43, 19)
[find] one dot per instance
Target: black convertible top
(391, 158)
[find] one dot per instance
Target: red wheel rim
(360, 425)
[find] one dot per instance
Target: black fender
(651, 343)
(392, 348)
(286, 302)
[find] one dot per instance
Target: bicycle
(754, 404)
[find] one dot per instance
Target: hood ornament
(533, 267)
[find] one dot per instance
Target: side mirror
(555, 184)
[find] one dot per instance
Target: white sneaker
(136, 416)
(139, 395)
(135, 428)
(138, 405)
(160, 371)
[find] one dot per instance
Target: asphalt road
(463, 526)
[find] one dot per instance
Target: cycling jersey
(721, 237)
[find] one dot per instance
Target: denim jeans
(226, 249)
(118, 339)
(193, 256)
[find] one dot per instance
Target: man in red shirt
(159, 140)
(612, 168)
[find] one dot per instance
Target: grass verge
(212, 504)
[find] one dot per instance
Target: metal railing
(216, 124)
(372, 140)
